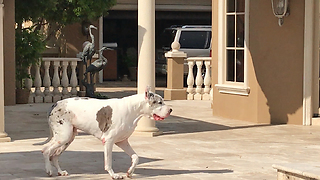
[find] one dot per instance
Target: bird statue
(88, 47)
(98, 64)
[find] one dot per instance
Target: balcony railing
(199, 84)
(53, 80)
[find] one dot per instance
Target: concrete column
(3, 136)
(146, 58)
(175, 73)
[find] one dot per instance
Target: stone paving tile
(195, 146)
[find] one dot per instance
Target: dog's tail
(47, 140)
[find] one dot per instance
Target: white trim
(223, 86)
(308, 59)
(233, 89)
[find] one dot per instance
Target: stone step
(298, 171)
(316, 121)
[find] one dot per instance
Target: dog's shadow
(30, 165)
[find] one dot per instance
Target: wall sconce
(280, 9)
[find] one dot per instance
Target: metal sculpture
(88, 47)
(93, 68)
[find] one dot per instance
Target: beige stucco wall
(9, 53)
(275, 68)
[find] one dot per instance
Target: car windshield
(195, 39)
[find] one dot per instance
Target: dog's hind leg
(125, 146)
(63, 135)
(55, 158)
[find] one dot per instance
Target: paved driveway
(194, 145)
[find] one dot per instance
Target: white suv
(194, 40)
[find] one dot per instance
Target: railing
(199, 86)
(61, 84)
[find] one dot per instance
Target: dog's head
(156, 106)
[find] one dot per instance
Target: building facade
(263, 72)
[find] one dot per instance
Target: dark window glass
(230, 65)
(195, 39)
(230, 31)
(230, 5)
(240, 66)
(166, 38)
(240, 31)
(240, 5)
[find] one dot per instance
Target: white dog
(112, 121)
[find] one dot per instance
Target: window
(195, 39)
(233, 38)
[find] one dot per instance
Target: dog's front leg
(108, 160)
(125, 146)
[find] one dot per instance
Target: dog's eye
(154, 102)
(160, 102)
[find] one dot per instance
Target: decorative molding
(233, 89)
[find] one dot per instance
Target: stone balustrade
(54, 79)
(199, 86)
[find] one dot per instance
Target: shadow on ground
(78, 163)
(180, 125)
(38, 127)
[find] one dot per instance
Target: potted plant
(29, 46)
(131, 61)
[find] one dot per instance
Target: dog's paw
(129, 172)
(49, 172)
(129, 175)
(63, 173)
(117, 176)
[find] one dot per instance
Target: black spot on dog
(59, 109)
(104, 116)
(60, 122)
(54, 105)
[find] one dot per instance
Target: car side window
(195, 39)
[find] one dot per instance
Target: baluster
(190, 80)
(56, 82)
(65, 80)
(73, 80)
(37, 83)
(207, 82)
(28, 84)
(47, 83)
(199, 81)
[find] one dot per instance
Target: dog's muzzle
(159, 118)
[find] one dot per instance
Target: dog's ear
(148, 93)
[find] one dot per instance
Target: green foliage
(48, 17)
(29, 46)
(131, 58)
(61, 12)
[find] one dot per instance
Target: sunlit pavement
(194, 145)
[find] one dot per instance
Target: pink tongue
(157, 118)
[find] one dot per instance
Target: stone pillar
(175, 73)
(146, 59)
(3, 136)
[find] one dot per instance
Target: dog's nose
(170, 110)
